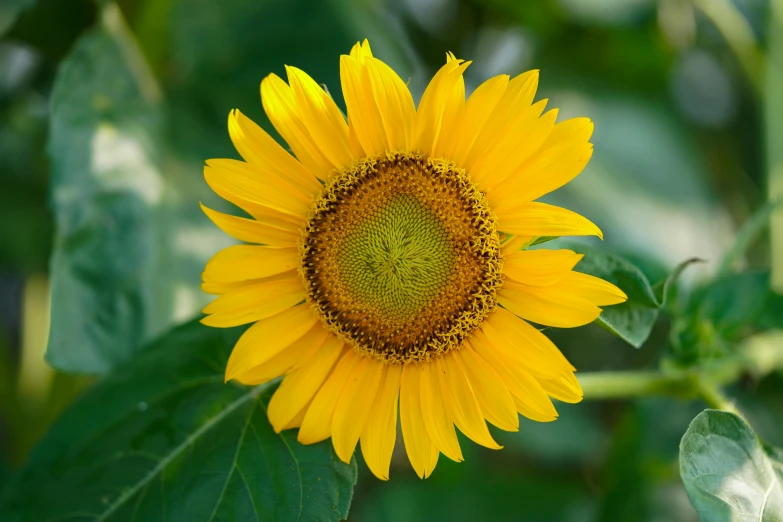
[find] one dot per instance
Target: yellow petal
(268, 337)
(296, 421)
(527, 339)
(539, 219)
(257, 147)
(282, 110)
(594, 289)
(299, 387)
(250, 230)
(497, 404)
(354, 405)
(539, 267)
(517, 97)
(243, 180)
(288, 359)
(317, 424)
(380, 106)
(477, 111)
(529, 398)
(361, 50)
(320, 115)
(464, 406)
(564, 389)
(243, 262)
(548, 305)
(418, 445)
(452, 104)
(252, 303)
(380, 430)
(212, 287)
(525, 133)
(437, 417)
(365, 118)
(518, 351)
(441, 100)
(559, 160)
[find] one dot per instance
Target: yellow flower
(385, 263)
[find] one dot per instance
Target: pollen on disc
(401, 257)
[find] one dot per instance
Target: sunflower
(387, 268)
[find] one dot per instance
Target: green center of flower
(401, 257)
(398, 259)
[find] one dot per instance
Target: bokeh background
(100, 179)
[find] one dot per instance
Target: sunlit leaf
(163, 438)
(728, 473)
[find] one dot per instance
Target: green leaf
(721, 313)
(105, 187)
(633, 320)
(163, 438)
(728, 473)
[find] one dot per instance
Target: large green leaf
(728, 473)
(163, 438)
(107, 192)
(633, 320)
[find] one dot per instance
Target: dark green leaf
(633, 320)
(728, 473)
(163, 438)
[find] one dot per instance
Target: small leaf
(728, 473)
(633, 320)
(163, 438)
(541, 239)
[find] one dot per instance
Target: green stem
(774, 132)
(714, 397)
(617, 385)
(738, 35)
(624, 385)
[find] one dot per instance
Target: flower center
(401, 256)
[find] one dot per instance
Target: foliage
(164, 438)
(728, 472)
(107, 112)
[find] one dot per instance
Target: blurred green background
(108, 111)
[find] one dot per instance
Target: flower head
(386, 269)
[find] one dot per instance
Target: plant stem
(774, 141)
(622, 385)
(738, 35)
(617, 385)
(714, 397)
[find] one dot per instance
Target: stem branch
(619, 385)
(615, 385)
